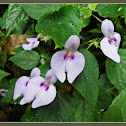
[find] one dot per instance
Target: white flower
(110, 43)
(40, 90)
(22, 83)
(70, 60)
(32, 44)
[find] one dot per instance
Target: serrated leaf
(117, 110)
(116, 72)
(110, 10)
(26, 59)
(3, 74)
(38, 10)
(61, 25)
(15, 16)
(86, 82)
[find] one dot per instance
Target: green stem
(97, 18)
(89, 46)
(110, 89)
(85, 43)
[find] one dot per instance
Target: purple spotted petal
(107, 27)
(110, 50)
(44, 97)
(32, 44)
(51, 76)
(20, 86)
(58, 63)
(33, 87)
(117, 39)
(35, 72)
(75, 66)
(73, 42)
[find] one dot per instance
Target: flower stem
(97, 18)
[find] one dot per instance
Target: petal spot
(47, 88)
(26, 84)
(42, 84)
(65, 56)
(114, 39)
(72, 57)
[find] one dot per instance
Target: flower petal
(110, 50)
(20, 86)
(31, 40)
(22, 102)
(58, 63)
(51, 76)
(44, 97)
(75, 66)
(35, 72)
(33, 87)
(107, 27)
(73, 42)
(118, 38)
(27, 46)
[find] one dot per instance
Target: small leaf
(61, 25)
(86, 82)
(26, 59)
(38, 10)
(3, 74)
(116, 72)
(110, 10)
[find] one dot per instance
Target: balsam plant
(75, 56)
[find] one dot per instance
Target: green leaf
(15, 16)
(60, 110)
(110, 10)
(86, 82)
(45, 67)
(104, 96)
(26, 59)
(116, 71)
(3, 74)
(4, 84)
(83, 112)
(8, 98)
(117, 110)
(61, 25)
(17, 50)
(38, 10)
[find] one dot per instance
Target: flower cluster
(41, 90)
